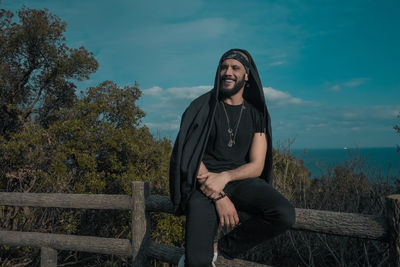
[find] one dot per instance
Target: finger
(228, 221)
(233, 221)
(202, 188)
(236, 218)
(221, 221)
(203, 175)
(205, 192)
(205, 189)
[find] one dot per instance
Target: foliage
(343, 189)
(291, 177)
(37, 68)
(97, 146)
(51, 141)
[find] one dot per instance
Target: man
(222, 163)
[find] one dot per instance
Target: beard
(230, 92)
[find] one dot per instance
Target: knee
(197, 260)
(286, 215)
(282, 215)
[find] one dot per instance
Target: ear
(246, 77)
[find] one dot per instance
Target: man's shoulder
(201, 100)
(199, 105)
(251, 108)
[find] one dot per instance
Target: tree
(37, 68)
(98, 145)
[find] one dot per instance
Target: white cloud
(355, 82)
(163, 107)
(336, 88)
(349, 84)
(317, 125)
(277, 63)
(188, 92)
(273, 96)
(377, 112)
(277, 97)
(166, 126)
(153, 91)
(172, 93)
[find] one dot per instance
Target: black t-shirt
(218, 155)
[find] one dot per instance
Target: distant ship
(345, 148)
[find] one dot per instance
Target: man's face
(233, 76)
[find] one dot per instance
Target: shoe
(181, 262)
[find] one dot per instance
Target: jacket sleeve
(174, 168)
(187, 151)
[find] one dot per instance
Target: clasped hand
(213, 183)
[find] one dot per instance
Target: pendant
(230, 130)
(230, 143)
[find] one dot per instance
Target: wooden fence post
(48, 257)
(140, 223)
(393, 220)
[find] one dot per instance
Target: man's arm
(215, 182)
(255, 166)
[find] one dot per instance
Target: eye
(236, 67)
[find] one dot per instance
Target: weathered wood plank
(342, 224)
(48, 257)
(319, 221)
(159, 203)
(164, 252)
(73, 201)
(336, 223)
(393, 219)
(171, 254)
(140, 223)
(222, 262)
(91, 244)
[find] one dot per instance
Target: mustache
(228, 78)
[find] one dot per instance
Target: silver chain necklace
(232, 136)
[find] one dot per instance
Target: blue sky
(330, 69)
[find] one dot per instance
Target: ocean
(384, 161)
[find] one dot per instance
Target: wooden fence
(141, 248)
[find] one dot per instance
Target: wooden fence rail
(141, 204)
(91, 244)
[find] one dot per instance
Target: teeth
(228, 80)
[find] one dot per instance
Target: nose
(228, 71)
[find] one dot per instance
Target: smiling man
(221, 165)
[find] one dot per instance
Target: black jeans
(270, 215)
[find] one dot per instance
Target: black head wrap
(238, 56)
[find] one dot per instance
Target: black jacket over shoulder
(195, 129)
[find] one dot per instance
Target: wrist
(221, 196)
(228, 176)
